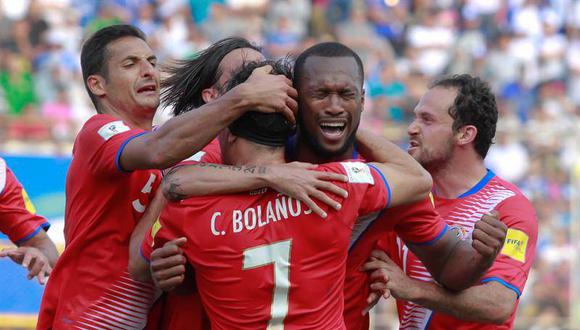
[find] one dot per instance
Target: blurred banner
(44, 180)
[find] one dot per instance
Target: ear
(96, 84)
(209, 94)
(466, 135)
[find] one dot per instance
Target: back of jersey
(264, 260)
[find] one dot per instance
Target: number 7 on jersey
(278, 254)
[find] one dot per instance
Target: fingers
(266, 69)
(170, 248)
(307, 166)
(35, 267)
(373, 265)
(321, 196)
(44, 273)
(372, 300)
(315, 208)
(170, 283)
(6, 252)
(331, 187)
(329, 176)
(28, 258)
(291, 102)
(381, 255)
(177, 241)
(288, 113)
(482, 249)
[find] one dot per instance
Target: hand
(299, 181)
(387, 279)
(32, 259)
(269, 93)
(488, 236)
(168, 265)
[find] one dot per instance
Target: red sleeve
(366, 186)
(18, 219)
(417, 223)
(512, 266)
(166, 228)
(102, 141)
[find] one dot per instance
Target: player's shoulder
(355, 170)
(517, 196)
(106, 126)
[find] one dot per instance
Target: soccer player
(112, 177)
(453, 129)
(267, 255)
(329, 79)
(19, 221)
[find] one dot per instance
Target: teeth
(339, 125)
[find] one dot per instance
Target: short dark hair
(188, 78)
(325, 49)
(94, 51)
(474, 105)
(270, 129)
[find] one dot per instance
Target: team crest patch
(111, 129)
(515, 245)
(358, 172)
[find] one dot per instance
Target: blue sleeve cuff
(44, 226)
(385, 182)
(504, 283)
(120, 151)
(144, 257)
(434, 240)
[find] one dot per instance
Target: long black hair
(188, 78)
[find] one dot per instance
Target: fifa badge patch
(516, 243)
(358, 172)
(111, 129)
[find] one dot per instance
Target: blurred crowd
(528, 50)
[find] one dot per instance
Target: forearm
(475, 304)
(182, 136)
(209, 179)
(138, 267)
(463, 267)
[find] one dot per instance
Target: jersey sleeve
(418, 223)
(18, 219)
(366, 186)
(512, 266)
(163, 230)
(211, 153)
(103, 139)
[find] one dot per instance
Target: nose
(334, 105)
(413, 128)
(148, 69)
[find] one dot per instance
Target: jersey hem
(44, 226)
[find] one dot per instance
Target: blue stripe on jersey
(429, 320)
(118, 157)
(504, 283)
(44, 226)
(386, 183)
(479, 185)
(438, 237)
(143, 256)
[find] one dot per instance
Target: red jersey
(90, 286)
(512, 265)
(18, 219)
(173, 310)
(264, 259)
(417, 223)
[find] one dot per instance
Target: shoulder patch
(3, 173)
(111, 129)
(358, 172)
(516, 243)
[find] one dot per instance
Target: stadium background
(529, 50)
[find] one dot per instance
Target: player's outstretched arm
(408, 180)
(297, 180)
(183, 136)
(457, 264)
(487, 303)
(44, 244)
(138, 267)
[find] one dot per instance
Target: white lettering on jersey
(358, 172)
(111, 129)
(3, 173)
(197, 156)
(137, 205)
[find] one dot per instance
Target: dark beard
(305, 136)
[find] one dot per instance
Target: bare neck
(305, 153)
(134, 119)
(461, 173)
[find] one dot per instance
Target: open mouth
(147, 89)
(333, 130)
